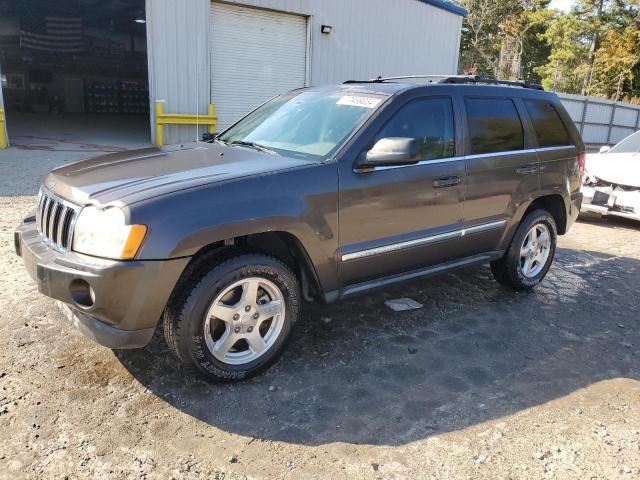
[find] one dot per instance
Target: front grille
(55, 218)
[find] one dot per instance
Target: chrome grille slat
(41, 198)
(57, 224)
(65, 237)
(49, 219)
(41, 214)
(55, 218)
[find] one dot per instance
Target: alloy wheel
(244, 320)
(535, 250)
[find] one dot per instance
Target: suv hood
(128, 177)
(618, 168)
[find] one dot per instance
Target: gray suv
(317, 195)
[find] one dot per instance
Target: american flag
(52, 34)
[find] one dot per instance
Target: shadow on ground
(357, 372)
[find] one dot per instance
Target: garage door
(255, 54)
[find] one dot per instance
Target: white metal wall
(178, 55)
(369, 38)
(375, 37)
(601, 121)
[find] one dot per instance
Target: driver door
(395, 219)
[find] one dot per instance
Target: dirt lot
(480, 383)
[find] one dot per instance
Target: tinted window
(430, 121)
(494, 125)
(547, 124)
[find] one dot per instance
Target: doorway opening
(74, 74)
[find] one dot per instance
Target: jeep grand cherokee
(317, 195)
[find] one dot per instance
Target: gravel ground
(480, 383)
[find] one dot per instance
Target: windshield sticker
(353, 101)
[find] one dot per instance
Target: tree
(598, 6)
(494, 34)
(480, 44)
(568, 36)
(524, 16)
(594, 49)
(617, 64)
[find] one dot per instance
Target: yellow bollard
(3, 132)
(212, 114)
(163, 119)
(159, 125)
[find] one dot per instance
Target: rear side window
(428, 120)
(550, 130)
(494, 125)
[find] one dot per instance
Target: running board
(414, 274)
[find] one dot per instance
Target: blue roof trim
(451, 7)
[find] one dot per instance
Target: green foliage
(496, 33)
(593, 49)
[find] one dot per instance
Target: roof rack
(457, 79)
(490, 81)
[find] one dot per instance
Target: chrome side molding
(393, 247)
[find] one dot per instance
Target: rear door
(557, 153)
(394, 219)
(502, 168)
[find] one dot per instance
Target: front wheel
(530, 254)
(233, 319)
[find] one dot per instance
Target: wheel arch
(280, 244)
(554, 204)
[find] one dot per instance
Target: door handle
(527, 169)
(449, 181)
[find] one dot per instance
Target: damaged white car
(612, 185)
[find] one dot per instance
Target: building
(114, 59)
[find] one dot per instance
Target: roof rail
(457, 79)
(490, 81)
(405, 77)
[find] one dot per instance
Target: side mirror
(605, 148)
(392, 151)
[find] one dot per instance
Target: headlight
(103, 233)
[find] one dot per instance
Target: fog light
(82, 293)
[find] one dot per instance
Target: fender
(302, 202)
(521, 210)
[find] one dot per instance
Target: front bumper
(612, 201)
(127, 297)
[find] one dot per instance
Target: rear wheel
(232, 320)
(530, 254)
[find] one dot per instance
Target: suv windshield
(306, 124)
(631, 144)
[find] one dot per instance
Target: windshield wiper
(255, 146)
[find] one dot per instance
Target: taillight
(582, 158)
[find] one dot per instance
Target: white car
(612, 185)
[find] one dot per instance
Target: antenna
(197, 85)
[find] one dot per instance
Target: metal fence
(600, 121)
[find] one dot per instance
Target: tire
(213, 319)
(519, 269)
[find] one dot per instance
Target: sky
(561, 4)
